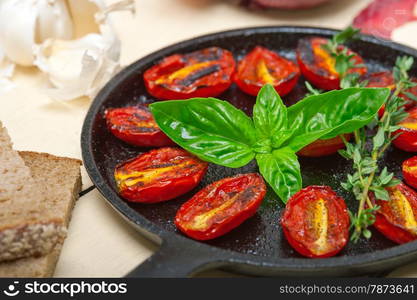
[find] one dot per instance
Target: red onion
(381, 17)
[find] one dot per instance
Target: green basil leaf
(281, 170)
(269, 112)
(212, 129)
(333, 113)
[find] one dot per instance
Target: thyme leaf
(367, 176)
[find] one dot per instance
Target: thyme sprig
(369, 145)
(368, 148)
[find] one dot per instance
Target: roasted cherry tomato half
(318, 66)
(263, 66)
(397, 218)
(316, 222)
(135, 125)
(159, 175)
(203, 73)
(380, 79)
(221, 206)
(324, 147)
(407, 140)
(386, 79)
(410, 171)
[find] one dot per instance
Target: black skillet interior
(260, 236)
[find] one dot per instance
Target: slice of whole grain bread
(61, 180)
(27, 226)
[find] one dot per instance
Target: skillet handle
(177, 261)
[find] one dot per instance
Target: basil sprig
(219, 133)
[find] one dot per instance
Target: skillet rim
(163, 236)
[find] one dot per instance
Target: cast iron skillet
(257, 246)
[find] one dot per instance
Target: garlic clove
(79, 67)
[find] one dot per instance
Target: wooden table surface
(100, 243)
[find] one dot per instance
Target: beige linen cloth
(100, 243)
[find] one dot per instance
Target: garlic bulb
(72, 41)
(26, 22)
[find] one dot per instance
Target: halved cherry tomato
(386, 79)
(221, 206)
(159, 175)
(318, 66)
(135, 125)
(407, 140)
(316, 222)
(324, 147)
(380, 79)
(263, 66)
(397, 218)
(203, 73)
(409, 167)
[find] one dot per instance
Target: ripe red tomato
(159, 175)
(380, 79)
(316, 222)
(324, 147)
(318, 66)
(221, 206)
(410, 171)
(397, 218)
(407, 141)
(386, 79)
(135, 125)
(203, 73)
(262, 66)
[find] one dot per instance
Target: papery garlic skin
(24, 23)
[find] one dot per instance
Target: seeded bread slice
(61, 180)
(27, 226)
